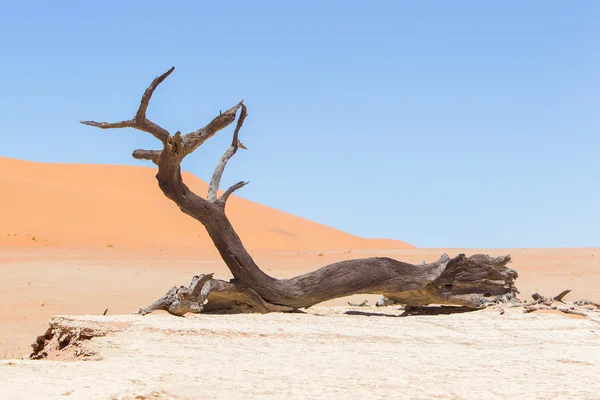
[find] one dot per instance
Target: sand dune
(71, 205)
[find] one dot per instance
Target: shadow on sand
(410, 311)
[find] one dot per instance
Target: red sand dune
(72, 205)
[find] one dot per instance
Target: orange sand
(66, 205)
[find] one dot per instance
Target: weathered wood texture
(466, 281)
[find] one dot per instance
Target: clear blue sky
(441, 123)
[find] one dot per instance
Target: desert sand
(66, 205)
(80, 239)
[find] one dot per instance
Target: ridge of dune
(94, 205)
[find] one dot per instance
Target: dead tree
(465, 281)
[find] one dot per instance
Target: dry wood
(364, 303)
(537, 307)
(562, 295)
(211, 295)
(213, 187)
(584, 302)
(472, 282)
(568, 310)
(513, 305)
(557, 303)
(139, 121)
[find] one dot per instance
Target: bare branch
(532, 303)
(141, 112)
(192, 140)
(562, 295)
(568, 310)
(140, 121)
(528, 309)
(154, 129)
(151, 155)
(213, 187)
(110, 125)
(584, 302)
(198, 282)
(469, 282)
(243, 114)
(228, 192)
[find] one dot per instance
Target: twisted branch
(213, 187)
(193, 140)
(150, 155)
(139, 121)
(180, 146)
(223, 199)
(472, 282)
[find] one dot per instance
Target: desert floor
(38, 283)
(77, 240)
(325, 353)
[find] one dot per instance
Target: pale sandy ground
(324, 354)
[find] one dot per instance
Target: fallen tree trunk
(467, 281)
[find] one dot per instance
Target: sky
(443, 124)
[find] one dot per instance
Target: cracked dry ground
(324, 353)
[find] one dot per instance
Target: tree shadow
(372, 314)
(412, 311)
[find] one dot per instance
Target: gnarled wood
(556, 303)
(466, 281)
(139, 121)
(211, 295)
(213, 187)
(585, 302)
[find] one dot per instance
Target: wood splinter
(547, 303)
